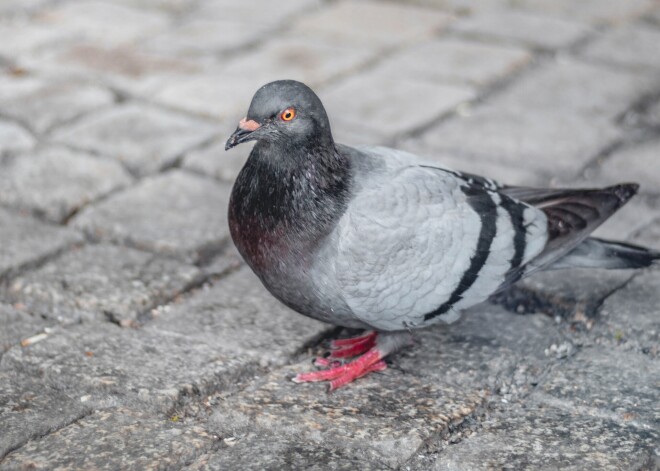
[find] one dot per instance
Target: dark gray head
(286, 111)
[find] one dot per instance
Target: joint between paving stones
(7, 276)
(85, 413)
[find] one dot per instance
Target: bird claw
(325, 363)
(341, 374)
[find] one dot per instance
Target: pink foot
(372, 348)
(344, 374)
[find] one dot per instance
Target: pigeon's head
(284, 111)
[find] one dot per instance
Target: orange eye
(288, 114)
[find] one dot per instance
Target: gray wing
(417, 245)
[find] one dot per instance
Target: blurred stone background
(132, 337)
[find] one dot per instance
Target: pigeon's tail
(572, 215)
(599, 253)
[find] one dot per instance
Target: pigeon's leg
(342, 348)
(339, 343)
(372, 360)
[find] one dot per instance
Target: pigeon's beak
(243, 133)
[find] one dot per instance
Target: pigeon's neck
(286, 200)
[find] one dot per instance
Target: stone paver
(382, 24)
(649, 234)
(612, 12)
(14, 138)
(104, 366)
(259, 451)
(215, 161)
(132, 71)
(258, 12)
(202, 36)
(144, 138)
(635, 47)
(653, 114)
(240, 317)
(175, 213)
(546, 438)
(55, 182)
(100, 282)
(17, 326)
(638, 163)
(424, 392)
(630, 316)
(89, 21)
(605, 385)
(119, 444)
(26, 241)
(521, 27)
(450, 60)
(226, 91)
(42, 104)
(358, 102)
(132, 336)
(30, 409)
(555, 120)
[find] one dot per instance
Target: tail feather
(572, 215)
(599, 253)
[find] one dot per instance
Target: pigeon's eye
(288, 114)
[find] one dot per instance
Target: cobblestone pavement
(132, 338)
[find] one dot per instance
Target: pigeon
(382, 240)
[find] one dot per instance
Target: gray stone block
(101, 282)
(55, 182)
(26, 241)
(521, 27)
(214, 161)
(225, 92)
(606, 382)
(259, 451)
(115, 439)
(649, 235)
(375, 23)
(14, 138)
(175, 213)
(103, 366)
(384, 418)
(42, 104)
(93, 21)
(203, 36)
(131, 70)
(359, 102)
(451, 60)
(652, 115)
(30, 409)
(629, 317)
(552, 144)
(612, 12)
(17, 326)
(573, 87)
(637, 163)
(240, 317)
(634, 47)
(547, 438)
(145, 138)
(557, 131)
(258, 12)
